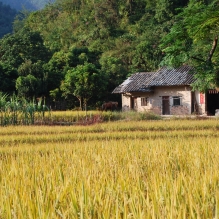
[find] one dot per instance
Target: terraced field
(145, 169)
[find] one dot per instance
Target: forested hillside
(27, 4)
(80, 50)
(7, 15)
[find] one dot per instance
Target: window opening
(144, 101)
(176, 101)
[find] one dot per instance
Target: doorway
(133, 103)
(212, 102)
(165, 105)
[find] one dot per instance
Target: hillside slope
(7, 15)
(27, 4)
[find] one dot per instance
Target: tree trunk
(80, 102)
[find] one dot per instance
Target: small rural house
(166, 92)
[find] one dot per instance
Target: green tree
(56, 26)
(84, 81)
(115, 74)
(23, 45)
(193, 41)
(55, 70)
(27, 86)
(118, 37)
(32, 80)
(81, 55)
(8, 76)
(20, 20)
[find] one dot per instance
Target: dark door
(133, 103)
(166, 105)
(212, 102)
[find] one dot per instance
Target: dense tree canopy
(53, 49)
(8, 76)
(193, 40)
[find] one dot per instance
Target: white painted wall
(155, 100)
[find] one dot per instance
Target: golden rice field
(146, 169)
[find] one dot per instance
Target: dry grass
(159, 169)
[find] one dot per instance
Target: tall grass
(15, 111)
(152, 169)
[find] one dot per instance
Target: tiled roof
(135, 82)
(144, 81)
(173, 76)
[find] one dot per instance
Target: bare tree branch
(202, 60)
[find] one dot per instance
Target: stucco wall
(155, 100)
(126, 102)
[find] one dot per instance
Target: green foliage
(23, 45)
(51, 48)
(20, 20)
(81, 55)
(83, 81)
(19, 111)
(115, 74)
(81, 24)
(27, 85)
(32, 80)
(8, 76)
(24, 52)
(193, 41)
